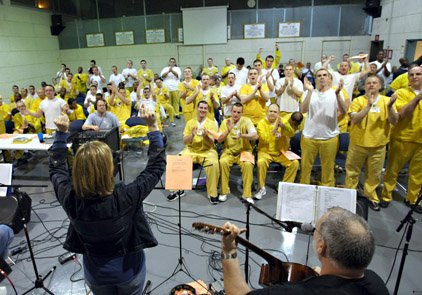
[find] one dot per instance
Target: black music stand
(39, 280)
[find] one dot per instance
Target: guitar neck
(267, 256)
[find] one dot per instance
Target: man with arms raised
(344, 245)
(320, 135)
(237, 133)
(406, 141)
(371, 115)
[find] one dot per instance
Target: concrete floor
(47, 230)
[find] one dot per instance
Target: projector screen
(205, 25)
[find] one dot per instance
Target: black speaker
(56, 24)
(373, 8)
(10, 213)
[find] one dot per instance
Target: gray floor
(200, 252)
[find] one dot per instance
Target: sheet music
(335, 197)
(5, 177)
(296, 202)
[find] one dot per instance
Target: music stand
(39, 280)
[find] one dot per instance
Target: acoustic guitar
(276, 271)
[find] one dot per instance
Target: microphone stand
(284, 225)
(410, 221)
(39, 281)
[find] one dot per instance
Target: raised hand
(371, 99)
(62, 123)
(148, 115)
(339, 87)
(307, 85)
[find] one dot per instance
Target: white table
(6, 142)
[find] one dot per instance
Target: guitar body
(276, 271)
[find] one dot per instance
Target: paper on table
(5, 177)
(335, 197)
(296, 202)
(290, 155)
(247, 157)
(179, 173)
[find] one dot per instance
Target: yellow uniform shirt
(235, 146)
(409, 128)
(401, 81)
(148, 73)
(80, 81)
(18, 120)
(207, 98)
(210, 71)
(255, 108)
(374, 129)
(193, 84)
(270, 143)
(77, 114)
(4, 113)
(161, 93)
(198, 144)
(121, 110)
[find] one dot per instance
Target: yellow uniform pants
(175, 101)
(226, 162)
(212, 169)
(187, 114)
(169, 111)
(373, 160)
(327, 150)
(264, 161)
(400, 153)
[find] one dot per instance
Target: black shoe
(213, 200)
(418, 208)
(384, 204)
(177, 117)
(175, 195)
(374, 206)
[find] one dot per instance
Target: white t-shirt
(241, 76)
(129, 80)
(275, 75)
(226, 91)
(171, 81)
(321, 121)
(116, 79)
(287, 101)
(52, 108)
(97, 78)
(349, 81)
(381, 73)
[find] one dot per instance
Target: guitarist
(344, 245)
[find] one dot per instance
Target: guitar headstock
(209, 228)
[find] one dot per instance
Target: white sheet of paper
(296, 202)
(5, 177)
(335, 197)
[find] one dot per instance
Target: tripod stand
(39, 280)
(180, 267)
(409, 229)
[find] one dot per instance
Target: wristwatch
(228, 256)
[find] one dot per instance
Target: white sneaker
(222, 198)
(249, 200)
(262, 192)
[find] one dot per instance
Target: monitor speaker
(56, 24)
(10, 214)
(373, 8)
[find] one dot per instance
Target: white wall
(400, 20)
(157, 56)
(28, 53)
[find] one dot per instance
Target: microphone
(305, 227)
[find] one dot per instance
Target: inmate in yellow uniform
(255, 108)
(163, 97)
(368, 140)
(270, 147)
(207, 97)
(405, 147)
(231, 154)
(187, 108)
(200, 151)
